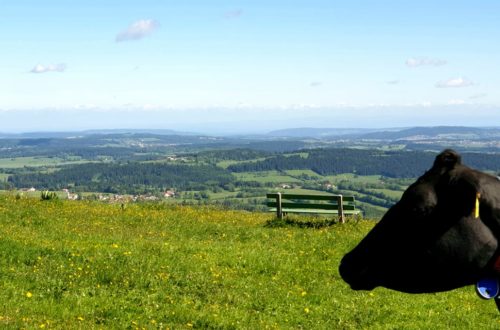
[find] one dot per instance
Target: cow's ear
(447, 160)
(460, 195)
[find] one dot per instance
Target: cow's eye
(423, 210)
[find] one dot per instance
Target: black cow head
(441, 235)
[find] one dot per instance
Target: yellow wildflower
(29, 294)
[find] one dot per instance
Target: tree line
(130, 177)
(393, 164)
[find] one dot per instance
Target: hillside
(82, 265)
(443, 132)
(319, 132)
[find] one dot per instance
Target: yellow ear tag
(476, 206)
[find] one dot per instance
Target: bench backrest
(301, 201)
(284, 202)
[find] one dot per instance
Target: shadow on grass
(288, 222)
(305, 223)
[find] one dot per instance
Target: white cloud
(393, 82)
(414, 62)
(40, 68)
(455, 82)
(138, 30)
(478, 96)
(456, 102)
(315, 84)
(234, 13)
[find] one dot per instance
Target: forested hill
(130, 177)
(207, 170)
(397, 164)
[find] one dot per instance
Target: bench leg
(279, 210)
(340, 201)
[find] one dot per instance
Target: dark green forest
(393, 164)
(202, 173)
(133, 177)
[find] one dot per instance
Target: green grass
(301, 154)
(227, 163)
(82, 265)
(388, 192)
(310, 173)
(223, 194)
(20, 162)
(353, 178)
(266, 177)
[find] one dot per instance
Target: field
(391, 193)
(353, 178)
(227, 163)
(56, 168)
(20, 162)
(266, 177)
(83, 265)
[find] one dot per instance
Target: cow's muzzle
(356, 274)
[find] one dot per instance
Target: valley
(236, 172)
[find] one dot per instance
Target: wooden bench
(301, 203)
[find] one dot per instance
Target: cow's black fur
(430, 240)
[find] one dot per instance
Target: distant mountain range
(438, 132)
(414, 133)
(388, 134)
(308, 132)
(62, 135)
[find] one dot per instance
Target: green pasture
(304, 172)
(227, 163)
(223, 194)
(388, 192)
(301, 154)
(83, 265)
(266, 177)
(20, 162)
(370, 210)
(353, 178)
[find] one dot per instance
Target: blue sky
(226, 65)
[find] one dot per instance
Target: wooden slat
(311, 197)
(307, 197)
(350, 212)
(311, 206)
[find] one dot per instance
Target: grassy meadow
(86, 265)
(266, 177)
(19, 162)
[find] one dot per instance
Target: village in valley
(234, 172)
